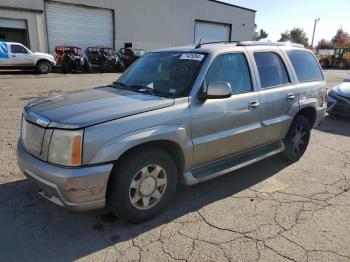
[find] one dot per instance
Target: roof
(237, 6)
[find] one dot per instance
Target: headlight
(66, 147)
(332, 93)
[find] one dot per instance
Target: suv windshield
(169, 73)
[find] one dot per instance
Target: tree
(324, 44)
(341, 38)
(296, 35)
(285, 36)
(262, 34)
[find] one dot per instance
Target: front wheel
(142, 185)
(297, 139)
(43, 67)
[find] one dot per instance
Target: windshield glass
(169, 73)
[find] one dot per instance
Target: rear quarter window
(305, 66)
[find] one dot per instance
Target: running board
(226, 165)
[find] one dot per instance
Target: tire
(342, 64)
(66, 67)
(324, 63)
(88, 67)
(121, 67)
(297, 139)
(131, 183)
(102, 68)
(43, 67)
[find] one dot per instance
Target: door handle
(253, 105)
(290, 97)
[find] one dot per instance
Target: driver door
(20, 56)
(224, 127)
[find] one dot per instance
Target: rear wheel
(297, 139)
(88, 67)
(121, 67)
(67, 65)
(43, 67)
(342, 64)
(102, 67)
(324, 63)
(142, 186)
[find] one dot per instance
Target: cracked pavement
(265, 212)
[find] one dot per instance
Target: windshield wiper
(148, 90)
(118, 84)
(139, 89)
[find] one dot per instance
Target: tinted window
(272, 70)
(231, 68)
(305, 65)
(18, 49)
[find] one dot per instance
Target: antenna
(199, 44)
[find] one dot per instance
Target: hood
(43, 55)
(90, 107)
(343, 89)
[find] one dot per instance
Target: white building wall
(148, 24)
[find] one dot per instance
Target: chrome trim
(189, 179)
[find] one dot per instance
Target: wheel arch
(170, 147)
(42, 60)
(310, 113)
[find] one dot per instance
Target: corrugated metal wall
(78, 26)
(157, 23)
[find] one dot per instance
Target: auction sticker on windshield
(192, 56)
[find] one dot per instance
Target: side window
(305, 66)
(231, 68)
(18, 49)
(272, 70)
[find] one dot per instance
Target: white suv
(16, 55)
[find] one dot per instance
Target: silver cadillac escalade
(177, 115)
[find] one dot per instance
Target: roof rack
(258, 43)
(250, 43)
(215, 42)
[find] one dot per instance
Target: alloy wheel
(298, 139)
(148, 187)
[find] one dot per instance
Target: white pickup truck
(17, 56)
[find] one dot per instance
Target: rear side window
(232, 68)
(272, 70)
(305, 66)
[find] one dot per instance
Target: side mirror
(216, 90)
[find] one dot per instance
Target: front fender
(113, 149)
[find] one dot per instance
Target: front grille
(32, 136)
(346, 98)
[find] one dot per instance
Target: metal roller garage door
(211, 32)
(78, 26)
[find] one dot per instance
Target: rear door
(20, 56)
(279, 100)
(223, 127)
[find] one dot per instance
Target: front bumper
(338, 106)
(77, 189)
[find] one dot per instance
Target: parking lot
(265, 212)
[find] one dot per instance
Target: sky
(277, 16)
